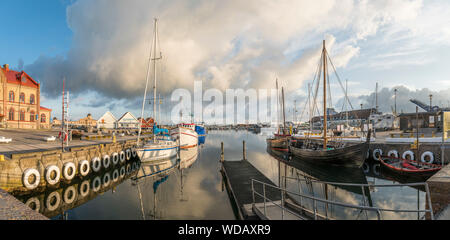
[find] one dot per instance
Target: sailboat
(328, 152)
(157, 148)
(280, 140)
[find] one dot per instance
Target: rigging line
(340, 83)
(344, 90)
(329, 88)
(317, 88)
(146, 86)
(316, 74)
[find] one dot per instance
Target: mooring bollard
(221, 153)
(243, 150)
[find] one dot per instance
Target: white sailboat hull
(157, 151)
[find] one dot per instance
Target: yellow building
(87, 121)
(20, 101)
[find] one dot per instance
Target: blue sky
(33, 28)
(232, 44)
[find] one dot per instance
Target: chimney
(6, 67)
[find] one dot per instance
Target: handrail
(315, 199)
(379, 185)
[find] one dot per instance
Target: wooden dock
(238, 176)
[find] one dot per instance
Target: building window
(11, 114)
(32, 117)
(22, 98)
(43, 118)
(32, 99)
(11, 96)
(22, 115)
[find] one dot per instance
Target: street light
(395, 100)
(431, 97)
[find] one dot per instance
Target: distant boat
(162, 146)
(200, 129)
(280, 140)
(410, 168)
(322, 151)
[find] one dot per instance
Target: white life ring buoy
(377, 153)
(366, 167)
(428, 154)
(122, 172)
(52, 180)
(376, 169)
(84, 168)
(122, 156)
(106, 180)
(134, 152)
(34, 204)
(70, 194)
(96, 164)
(128, 169)
(115, 175)
(84, 188)
(134, 166)
(393, 153)
(69, 170)
(128, 154)
(115, 158)
(368, 154)
(26, 178)
(106, 161)
(408, 153)
(53, 201)
(96, 184)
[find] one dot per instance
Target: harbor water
(193, 187)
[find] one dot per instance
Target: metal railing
(377, 210)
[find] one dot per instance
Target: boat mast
(325, 140)
(284, 113)
(278, 110)
(146, 86)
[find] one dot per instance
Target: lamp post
(431, 98)
(395, 101)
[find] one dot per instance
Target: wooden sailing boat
(323, 151)
(280, 140)
(157, 148)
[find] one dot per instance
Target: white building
(128, 121)
(107, 121)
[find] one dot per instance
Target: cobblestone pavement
(13, 209)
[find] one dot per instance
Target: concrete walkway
(13, 209)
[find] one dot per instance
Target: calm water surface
(193, 187)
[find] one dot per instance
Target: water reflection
(191, 188)
(55, 202)
(300, 177)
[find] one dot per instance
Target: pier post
(243, 150)
(221, 153)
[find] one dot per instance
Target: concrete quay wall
(12, 170)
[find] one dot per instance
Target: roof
(107, 113)
(45, 109)
(15, 77)
(129, 114)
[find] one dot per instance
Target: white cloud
(236, 44)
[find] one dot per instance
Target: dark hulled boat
(279, 142)
(324, 152)
(409, 168)
(347, 155)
